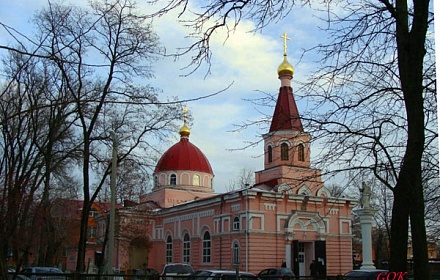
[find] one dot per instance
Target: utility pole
(113, 176)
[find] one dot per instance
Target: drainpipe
(247, 227)
(222, 200)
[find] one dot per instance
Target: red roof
(286, 116)
(184, 156)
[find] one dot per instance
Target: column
(366, 219)
(288, 254)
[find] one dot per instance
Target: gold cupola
(184, 130)
(285, 68)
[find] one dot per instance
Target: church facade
(288, 216)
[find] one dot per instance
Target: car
(11, 273)
(43, 273)
(362, 274)
(276, 273)
(147, 273)
(221, 275)
(174, 271)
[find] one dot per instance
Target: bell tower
(286, 145)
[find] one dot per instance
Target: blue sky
(248, 60)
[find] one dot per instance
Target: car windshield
(286, 271)
(178, 269)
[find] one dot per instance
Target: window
(236, 253)
(301, 152)
(173, 179)
(156, 182)
(269, 154)
(91, 232)
(92, 212)
(169, 250)
(186, 249)
(284, 151)
(206, 257)
(236, 223)
(196, 180)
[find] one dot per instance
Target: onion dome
(285, 68)
(184, 131)
(184, 155)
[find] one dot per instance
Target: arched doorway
(138, 252)
(304, 231)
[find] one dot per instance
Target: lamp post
(113, 175)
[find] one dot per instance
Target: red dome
(184, 156)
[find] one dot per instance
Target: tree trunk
(409, 189)
(399, 230)
(80, 265)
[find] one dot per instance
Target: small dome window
(173, 180)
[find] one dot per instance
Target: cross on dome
(184, 131)
(284, 36)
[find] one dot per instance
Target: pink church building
(287, 216)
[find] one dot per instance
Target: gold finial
(284, 36)
(285, 68)
(184, 131)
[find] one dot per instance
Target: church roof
(286, 116)
(184, 156)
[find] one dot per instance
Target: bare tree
(245, 179)
(33, 127)
(100, 51)
(375, 95)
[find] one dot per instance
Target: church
(287, 217)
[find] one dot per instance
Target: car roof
(363, 271)
(225, 271)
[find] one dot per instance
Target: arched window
(284, 151)
(269, 154)
(236, 253)
(301, 152)
(169, 250)
(173, 180)
(206, 255)
(236, 223)
(196, 180)
(212, 183)
(186, 249)
(156, 181)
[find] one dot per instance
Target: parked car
(148, 273)
(276, 273)
(221, 275)
(174, 271)
(363, 274)
(43, 273)
(17, 277)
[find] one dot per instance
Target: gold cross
(185, 109)
(284, 36)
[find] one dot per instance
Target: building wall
(269, 222)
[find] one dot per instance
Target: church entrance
(304, 253)
(138, 253)
(301, 259)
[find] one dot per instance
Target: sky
(247, 60)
